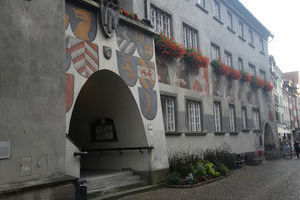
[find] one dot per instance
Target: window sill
(262, 53)
(234, 133)
(231, 30)
(251, 45)
(218, 20)
(243, 39)
(220, 133)
(195, 133)
(258, 131)
(246, 130)
(203, 9)
(174, 133)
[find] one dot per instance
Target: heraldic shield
(109, 16)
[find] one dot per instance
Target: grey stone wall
(32, 88)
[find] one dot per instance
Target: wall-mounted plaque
(103, 130)
(5, 150)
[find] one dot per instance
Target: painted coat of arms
(84, 56)
(109, 15)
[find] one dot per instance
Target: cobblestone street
(278, 180)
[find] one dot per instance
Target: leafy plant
(174, 178)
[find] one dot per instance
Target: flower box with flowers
(257, 82)
(194, 58)
(234, 74)
(246, 77)
(268, 86)
(168, 47)
(134, 17)
(220, 68)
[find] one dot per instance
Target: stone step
(101, 183)
(113, 182)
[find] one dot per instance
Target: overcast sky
(282, 18)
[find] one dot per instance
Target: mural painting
(132, 68)
(69, 91)
(84, 56)
(218, 87)
(177, 73)
(83, 22)
(127, 66)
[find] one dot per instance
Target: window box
(173, 133)
(232, 31)
(220, 22)
(243, 39)
(195, 133)
(220, 133)
(251, 45)
(203, 9)
(234, 133)
(258, 131)
(246, 130)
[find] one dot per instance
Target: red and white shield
(84, 55)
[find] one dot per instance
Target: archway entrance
(106, 116)
(269, 142)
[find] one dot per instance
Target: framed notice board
(103, 130)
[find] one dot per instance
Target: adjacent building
(85, 91)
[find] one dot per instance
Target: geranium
(129, 14)
(167, 47)
(235, 74)
(257, 82)
(268, 86)
(246, 77)
(220, 67)
(194, 58)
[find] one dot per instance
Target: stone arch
(106, 96)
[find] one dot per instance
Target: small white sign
(5, 150)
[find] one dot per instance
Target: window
(251, 37)
(194, 115)
(241, 64)
(241, 29)
(231, 118)
(262, 47)
(215, 52)
(161, 21)
(189, 37)
(168, 106)
(228, 58)
(256, 120)
(217, 116)
(262, 74)
(201, 3)
(217, 10)
(252, 69)
(229, 20)
(244, 118)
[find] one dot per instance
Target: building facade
(77, 77)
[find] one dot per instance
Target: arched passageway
(269, 141)
(106, 115)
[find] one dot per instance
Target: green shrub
(221, 167)
(220, 156)
(174, 178)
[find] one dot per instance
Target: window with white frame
(241, 64)
(190, 38)
(215, 52)
(168, 107)
(251, 37)
(256, 120)
(262, 74)
(244, 118)
(217, 116)
(161, 20)
(231, 118)
(194, 115)
(228, 58)
(252, 69)
(229, 20)
(241, 29)
(262, 47)
(201, 3)
(217, 10)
